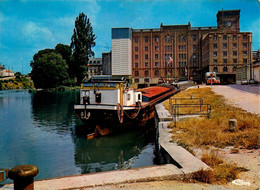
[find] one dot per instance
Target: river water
(40, 128)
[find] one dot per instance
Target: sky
(27, 26)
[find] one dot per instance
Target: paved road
(245, 96)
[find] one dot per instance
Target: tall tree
(49, 70)
(82, 40)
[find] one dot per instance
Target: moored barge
(113, 101)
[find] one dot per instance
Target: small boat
(114, 101)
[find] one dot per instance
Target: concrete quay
(186, 162)
(145, 174)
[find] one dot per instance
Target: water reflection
(108, 153)
(40, 128)
(53, 111)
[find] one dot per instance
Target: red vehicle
(211, 78)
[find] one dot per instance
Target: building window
(244, 37)
(179, 47)
(136, 80)
(215, 61)
(194, 37)
(179, 64)
(146, 80)
(156, 38)
(136, 73)
(225, 46)
(215, 45)
(234, 68)
(136, 48)
(136, 39)
(194, 55)
(244, 60)
(234, 45)
(234, 37)
(156, 48)
(215, 37)
(156, 64)
(234, 53)
(224, 53)
(224, 60)
(168, 38)
(244, 52)
(215, 69)
(146, 48)
(146, 38)
(225, 69)
(156, 72)
(244, 45)
(136, 57)
(194, 63)
(184, 55)
(234, 60)
(225, 37)
(184, 47)
(156, 56)
(146, 64)
(215, 54)
(146, 56)
(146, 73)
(194, 47)
(136, 65)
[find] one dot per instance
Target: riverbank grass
(196, 132)
(213, 133)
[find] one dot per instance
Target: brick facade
(183, 52)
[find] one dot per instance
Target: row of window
(167, 64)
(167, 38)
(181, 38)
(225, 60)
(225, 69)
(146, 56)
(94, 62)
(146, 73)
(225, 45)
(225, 54)
(234, 37)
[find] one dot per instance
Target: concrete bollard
(232, 123)
(23, 176)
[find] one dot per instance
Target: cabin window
(128, 96)
(139, 96)
(215, 69)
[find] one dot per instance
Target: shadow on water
(53, 111)
(119, 150)
(128, 148)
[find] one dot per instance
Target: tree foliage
(82, 40)
(49, 69)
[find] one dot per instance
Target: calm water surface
(40, 129)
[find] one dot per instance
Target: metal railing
(184, 109)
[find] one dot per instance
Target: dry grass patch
(214, 131)
(221, 172)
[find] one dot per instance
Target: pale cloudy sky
(27, 26)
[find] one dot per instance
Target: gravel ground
(246, 97)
